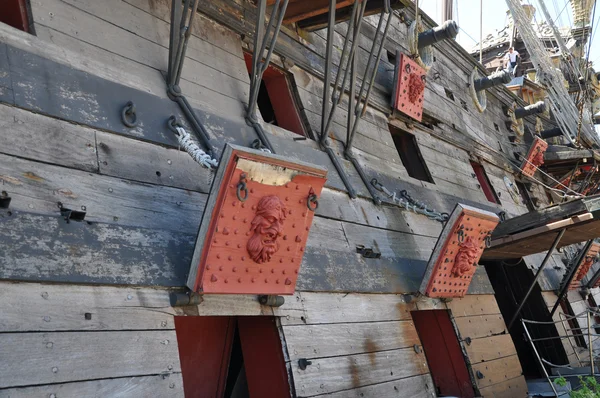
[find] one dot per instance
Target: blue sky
(466, 13)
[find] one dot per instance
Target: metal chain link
(406, 201)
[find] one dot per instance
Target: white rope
(425, 58)
(189, 145)
(479, 98)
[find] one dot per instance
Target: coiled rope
(407, 202)
(189, 145)
(425, 58)
(479, 98)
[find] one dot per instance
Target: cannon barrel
(555, 132)
(447, 30)
(532, 109)
(495, 79)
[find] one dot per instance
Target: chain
(406, 201)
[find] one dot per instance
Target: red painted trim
(284, 106)
(484, 182)
(265, 366)
(204, 345)
(444, 355)
(14, 13)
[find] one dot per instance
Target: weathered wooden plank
(42, 307)
(479, 326)
(513, 388)
(474, 305)
(319, 308)
(328, 234)
(328, 375)
(490, 348)
(545, 216)
(123, 157)
(169, 385)
(37, 187)
(68, 19)
(33, 136)
(498, 370)
(45, 248)
(413, 387)
(42, 358)
(390, 244)
(310, 341)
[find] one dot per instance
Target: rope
(425, 58)
(189, 145)
(406, 201)
(479, 98)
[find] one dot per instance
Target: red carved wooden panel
(585, 265)
(535, 157)
(457, 251)
(255, 227)
(410, 87)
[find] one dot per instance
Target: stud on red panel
(535, 157)
(457, 251)
(584, 266)
(410, 88)
(254, 230)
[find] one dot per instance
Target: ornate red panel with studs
(535, 157)
(410, 88)
(457, 251)
(585, 265)
(254, 231)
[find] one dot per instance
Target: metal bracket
(271, 301)
(179, 299)
(303, 363)
(4, 200)
(69, 214)
(367, 252)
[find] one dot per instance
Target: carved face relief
(415, 87)
(267, 226)
(465, 257)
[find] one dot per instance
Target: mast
(446, 10)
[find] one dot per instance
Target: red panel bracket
(584, 266)
(254, 230)
(409, 87)
(535, 157)
(457, 251)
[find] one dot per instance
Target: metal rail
(182, 19)
(573, 271)
(357, 105)
(261, 57)
(537, 275)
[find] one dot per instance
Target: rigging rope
(189, 145)
(561, 103)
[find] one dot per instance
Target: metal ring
(312, 198)
(242, 188)
(460, 235)
(407, 68)
(127, 112)
(488, 240)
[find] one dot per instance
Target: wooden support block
(535, 157)
(457, 251)
(256, 223)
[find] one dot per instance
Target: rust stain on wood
(371, 347)
(355, 372)
(10, 180)
(32, 176)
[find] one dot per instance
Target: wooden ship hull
(101, 208)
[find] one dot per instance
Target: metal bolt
(46, 319)
(45, 295)
(163, 324)
(172, 385)
(88, 316)
(52, 395)
(165, 342)
(170, 367)
(49, 345)
(129, 297)
(169, 161)
(83, 208)
(55, 370)
(110, 190)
